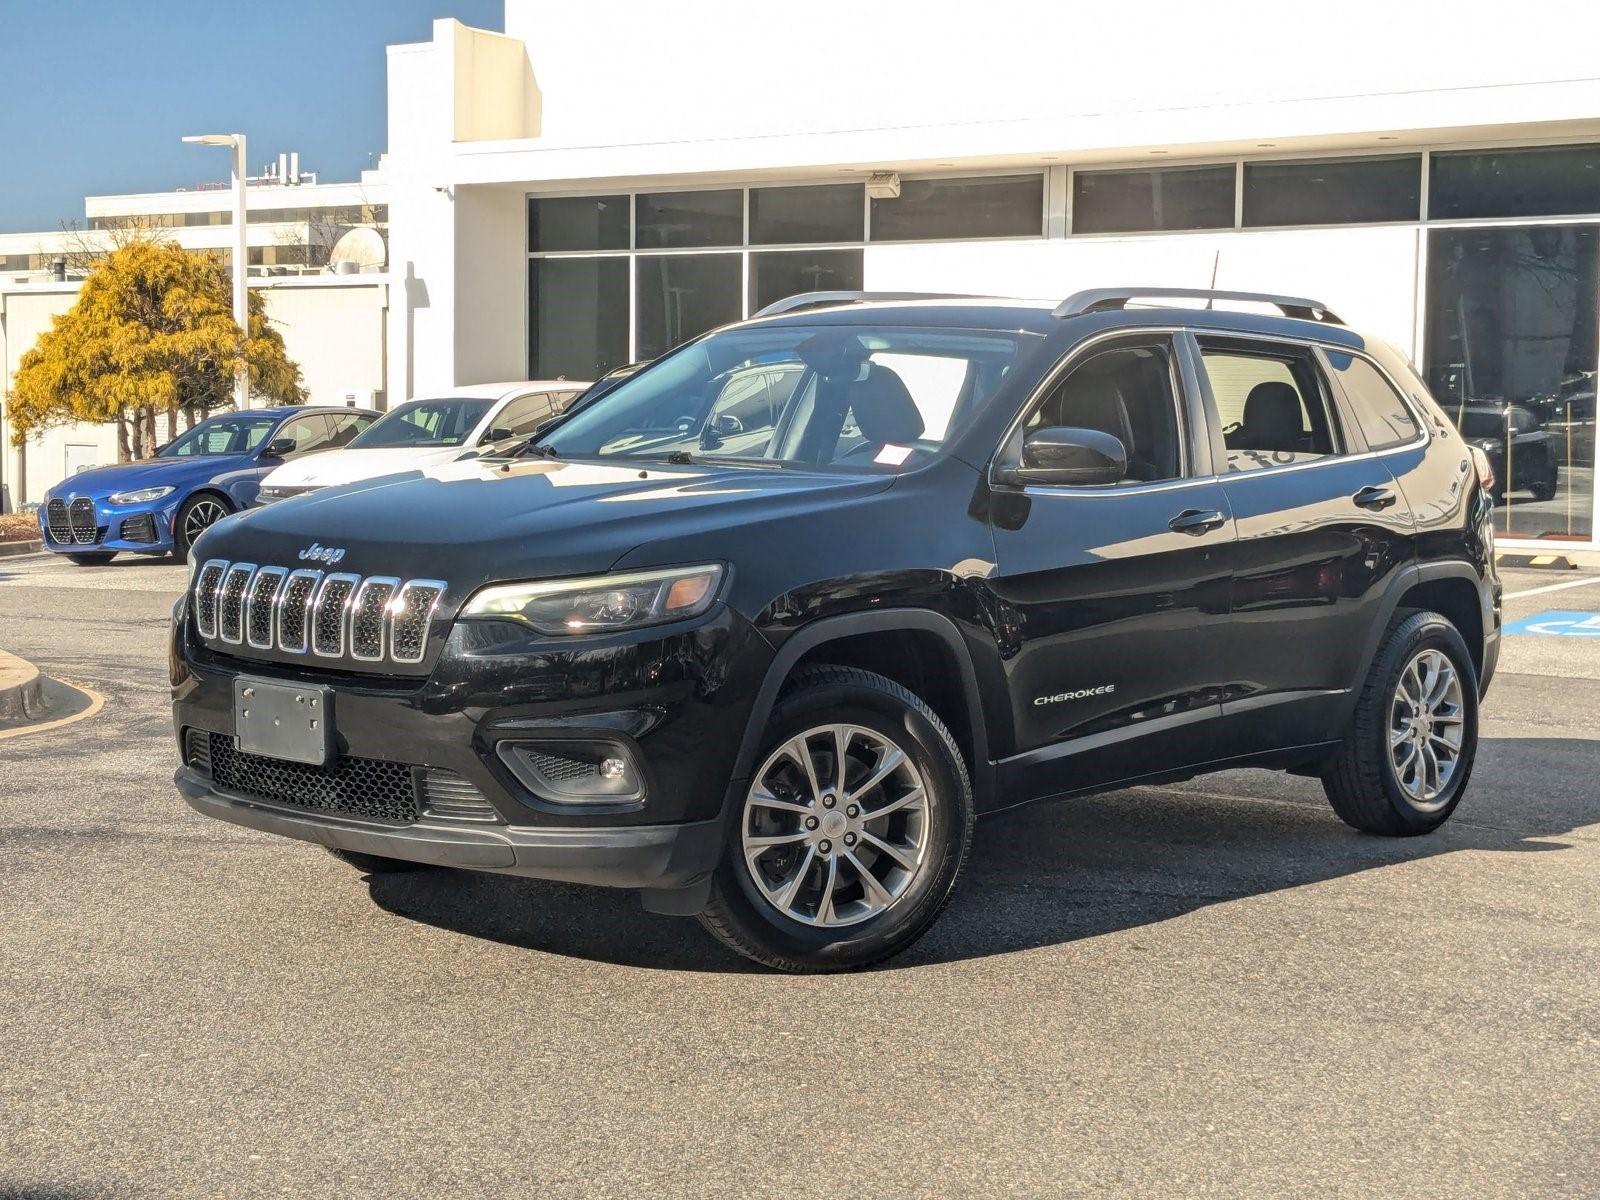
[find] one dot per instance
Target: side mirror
(1070, 457)
(497, 433)
(279, 448)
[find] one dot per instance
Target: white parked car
(452, 425)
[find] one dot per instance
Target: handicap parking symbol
(1558, 624)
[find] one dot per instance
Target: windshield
(424, 423)
(221, 435)
(857, 396)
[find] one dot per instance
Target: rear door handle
(1197, 521)
(1373, 496)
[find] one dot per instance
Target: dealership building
(598, 183)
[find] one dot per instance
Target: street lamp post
(241, 293)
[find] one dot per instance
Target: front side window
(312, 432)
(424, 423)
(1384, 417)
(1271, 404)
(862, 397)
(222, 435)
(524, 414)
(1128, 393)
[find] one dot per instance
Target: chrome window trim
(283, 596)
(1081, 349)
(439, 586)
(272, 607)
(383, 617)
(314, 610)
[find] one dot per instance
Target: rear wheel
(849, 839)
(1545, 489)
(93, 560)
(198, 514)
(1408, 753)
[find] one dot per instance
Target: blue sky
(98, 92)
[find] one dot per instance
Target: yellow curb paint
(96, 703)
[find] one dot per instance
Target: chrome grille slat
(369, 615)
(207, 586)
(261, 606)
(330, 615)
(368, 619)
(230, 602)
(408, 627)
(294, 609)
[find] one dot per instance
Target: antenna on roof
(1216, 261)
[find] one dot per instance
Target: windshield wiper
(680, 458)
(531, 448)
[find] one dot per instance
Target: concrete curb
(21, 693)
(17, 549)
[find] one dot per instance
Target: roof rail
(1097, 299)
(819, 299)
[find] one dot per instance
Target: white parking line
(1553, 587)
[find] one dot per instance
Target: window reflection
(1511, 353)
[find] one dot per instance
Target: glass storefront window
(987, 206)
(1512, 315)
(682, 296)
(775, 274)
(577, 317)
(1333, 191)
(1145, 201)
(795, 215)
(578, 223)
(1528, 181)
(667, 220)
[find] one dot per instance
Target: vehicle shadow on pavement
(1058, 872)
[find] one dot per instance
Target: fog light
(575, 772)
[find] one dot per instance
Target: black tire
(1361, 779)
(1545, 489)
(375, 864)
(183, 535)
(741, 917)
(93, 560)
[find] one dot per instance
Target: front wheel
(198, 514)
(1412, 740)
(852, 832)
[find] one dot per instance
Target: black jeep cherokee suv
(761, 631)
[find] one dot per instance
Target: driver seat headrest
(884, 409)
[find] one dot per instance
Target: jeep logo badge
(326, 555)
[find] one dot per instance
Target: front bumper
(649, 857)
(132, 528)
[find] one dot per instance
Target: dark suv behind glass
(761, 631)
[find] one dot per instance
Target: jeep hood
(476, 522)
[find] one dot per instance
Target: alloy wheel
(201, 516)
(835, 826)
(1427, 725)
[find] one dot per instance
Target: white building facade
(599, 183)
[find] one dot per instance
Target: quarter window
(1385, 420)
(1128, 393)
(1270, 402)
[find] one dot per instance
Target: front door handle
(1373, 496)
(1197, 521)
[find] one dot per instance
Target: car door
(1322, 529)
(309, 432)
(1112, 601)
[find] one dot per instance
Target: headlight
(141, 496)
(602, 603)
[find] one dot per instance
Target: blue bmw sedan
(160, 505)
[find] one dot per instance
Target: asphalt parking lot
(1213, 989)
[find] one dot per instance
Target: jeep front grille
(376, 619)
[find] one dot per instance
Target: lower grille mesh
(362, 787)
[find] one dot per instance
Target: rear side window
(1382, 414)
(1270, 402)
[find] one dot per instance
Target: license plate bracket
(283, 720)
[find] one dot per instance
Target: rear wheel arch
(919, 649)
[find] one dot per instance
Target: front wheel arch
(180, 543)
